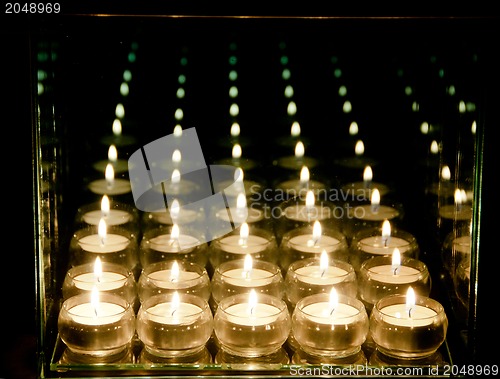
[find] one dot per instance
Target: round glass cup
(406, 332)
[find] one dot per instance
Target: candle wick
(333, 310)
(323, 273)
(395, 271)
(409, 312)
(175, 310)
(95, 311)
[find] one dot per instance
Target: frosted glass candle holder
(306, 277)
(323, 329)
(252, 329)
(96, 329)
(406, 332)
(171, 325)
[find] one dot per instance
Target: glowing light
(236, 153)
(124, 90)
(289, 91)
(247, 266)
(445, 173)
(347, 107)
(109, 174)
(410, 300)
(304, 175)
(244, 233)
(342, 91)
(112, 153)
(178, 130)
(353, 128)
(359, 148)
(295, 129)
(291, 109)
(286, 74)
(434, 147)
(233, 75)
(117, 127)
(299, 149)
(179, 114)
(175, 272)
(105, 206)
(396, 261)
(180, 93)
(334, 300)
(98, 269)
(176, 176)
(119, 110)
(424, 127)
(233, 92)
(102, 230)
(234, 110)
(176, 156)
(235, 129)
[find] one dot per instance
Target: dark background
(18, 351)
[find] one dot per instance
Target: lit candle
(298, 160)
(311, 276)
(106, 277)
(241, 212)
(172, 275)
(168, 243)
(96, 325)
(461, 210)
(330, 325)
(175, 214)
(110, 185)
(380, 276)
(299, 187)
(260, 244)
(407, 326)
(239, 185)
(172, 325)
(119, 165)
(243, 275)
(103, 242)
(309, 211)
(252, 325)
(302, 243)
(362, 190)
(119, 214)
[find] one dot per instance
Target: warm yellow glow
(299, 149)
(396, 261)
(98, 269)
(424, 127)
(367, 174)
(359, 149)
(323, 261)
(105, 206)
(176, 176)
(117, 127)
(316, 234)
(295, 129)
(252, 301)
(109, 174)
(310, 200)
(458, 196)
(179, 114)
(247, 266)
(291, 109)
(175, 233)
(304, 175)
(178, 130)
(334, 299)
(174, 305)
(244, 233)
(410, 300)
(238, 175)
(112, 153)
(434, 147)
(347, 107)
(175, 272)
(386, 229)
(102, 230)
(176, 156)
(288, 91)
(241, 201)
(353, 128)
(119, 110)
(236, 153)
(94, 300)
(175, 209)
(445, 173)
(375, 199)
(235, 129)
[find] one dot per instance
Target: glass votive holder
(408, 331)
(250, 325)
(109, 278)
(311, 276)
(173, 276)
(162, 218)
(310, 242)
(174, 325)
(238, 277)
(330, 329)
(118, 246)
(374, 242)
(96, 325)
(169, 243)
(241, 209)
(259, 243)
(379, 277)
(114, 213)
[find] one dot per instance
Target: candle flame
(310, 199)
(396, 261)
(304, 175)
(386, 231)
(235, 129)
(458, 196)
(98, 269)
(334, 300)
(445, 173)
(177, 130)
(236, 153)
(247, 266)
(323, 262)
(375, 200)
(175, 209)
(175, 272)
(105, 206)
(367, 174)
(463, 195)
(299, 149)
(359, 149)
(238, 175)
(434, 147)
(175, 303)
(94, 299)
(101, 230)
(295, 130)
(175, 233)
(316, 234)
(119, 110)
(291, 108)
(117, 127)
(353, 128)
(176, 176)
(176, 156)
(252, 301)
(109, 174)
(241, 201)
(410, 300)
(112, 153)
(244, 233)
